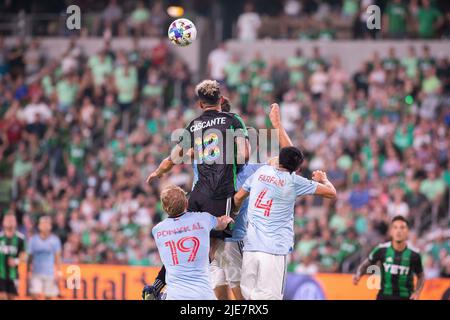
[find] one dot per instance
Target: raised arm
(239, 198)
(324, 188)
(243, 150)
(168, 163)
(275, 119)
(165, 166)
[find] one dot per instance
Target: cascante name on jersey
(395, 269)
(198, 125)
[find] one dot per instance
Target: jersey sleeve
(417, 266)
(30, 246)
(304, 186)
(58, 245)
(374, 255)
(210, 220)
(248, 183)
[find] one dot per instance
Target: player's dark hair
(208, 92)
(290, 158)
(400, 218)
(225, 104)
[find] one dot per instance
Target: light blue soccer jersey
(240, 223)
(183, 245)
(43, 253)
(271, 209)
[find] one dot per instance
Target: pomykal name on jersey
(395, 269)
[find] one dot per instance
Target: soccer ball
(182, 32)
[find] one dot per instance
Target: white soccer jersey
(271, 209)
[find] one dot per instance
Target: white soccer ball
(182, 32)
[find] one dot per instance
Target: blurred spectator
(248, 23)
(429, 20)
(217, 61)
(139, 19)
(78, 139)
(111, 17)
(395, 19)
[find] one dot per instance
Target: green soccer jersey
(397, 269)
(10, 247)
(397, 14)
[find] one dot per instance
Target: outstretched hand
(319, 176)
(223, 221)
(274, 115)
(153, 176)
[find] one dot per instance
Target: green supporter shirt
(338, 223)
(314, 63)
(296, 76)
(140, 15)
(397, 269)
(404, 140)
(243, 89)
(47, 85)
(350, 7)
(295, 62)
(67, 92)
(108, 113)
(10, 247)
(397, 14)
(255, 66)
(21, 167)
(126, 84)
(430, 84)
(446, 177)
(432, 188)
(151, 91)
(347, 248)
(390, 63)
(304, 247)
(233, 71)
(427, 18)
(100, 69)
(411, 66)
(77, 152)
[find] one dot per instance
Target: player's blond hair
(208, 91)
(174, 200)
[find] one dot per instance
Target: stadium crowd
(79, 135)
(248, 20)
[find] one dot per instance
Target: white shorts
(43, 284)
(263, 276)
(227, 265)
